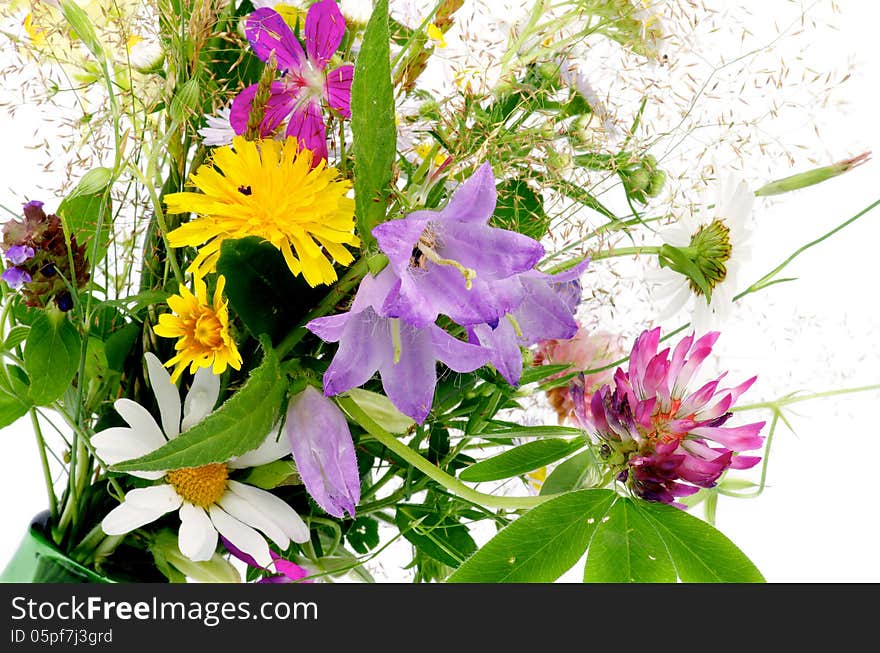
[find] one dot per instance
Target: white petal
(242, 536)
(167, 395)
(140, 420)
(675, 304)
(275, 508)
(274, 447)
(201, 397)
(245, 512)
(197, 538)
(120, 443)
(139, 508)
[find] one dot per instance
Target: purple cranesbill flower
(305, 82)
(446, 260)
(323, 452)
(404, 355)
(18, 254)
(546, 311)
(655, 434)
(285, 570)
(16, 277)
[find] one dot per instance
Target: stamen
(469, 274)
(395, 339)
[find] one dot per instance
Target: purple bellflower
(404, 355)
(546, 311)
(323, 452)
(446, 261)
(305, 83)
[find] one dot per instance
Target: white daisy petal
(249, 514)
(201, 397)
(274, 447)
(140, 420)
(275, 508)
(242, 536)
(141, 506)
(197, 538)
(120, 443)
(167, 395)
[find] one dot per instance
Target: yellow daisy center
(202, 486)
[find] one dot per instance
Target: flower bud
(811, 177)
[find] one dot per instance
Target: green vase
(39, 560)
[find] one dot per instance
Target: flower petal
(201, 397)
(287, 519)
(474, 200)
(494, 253)
(167, 395)
(365, 344)
(141, 506)
(140, 420)
(307, 126)
(325, 28)
(267, 31)
(197, 537)
(409, 382)
(241, 535)
(273, 448)
(337, 89)
(243, 511)
(278, 107)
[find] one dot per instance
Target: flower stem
(626, 251)
(432, 471)
(44, 461)
(785, 401)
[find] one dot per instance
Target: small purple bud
(33, 210)
(48, 270)
(323, 452)
(18, 254)
(64, 301)
(15, 277)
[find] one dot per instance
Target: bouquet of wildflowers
(321, 287)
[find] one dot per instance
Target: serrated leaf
(372, 124)
(519, 460)
(626, 548)
(239, 425)
(700, 553)
(435, 535)
(51, 356)
(578, 472)
(542, 544)
(519, 208)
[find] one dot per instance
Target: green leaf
(372, 125)
(626, 548)
(434, 534)
(363, 534)
(540, 372)
(16, 403)
(51, 356)
(542, 544)
(519, 208)
(271, 475)
(15, 337)
(239, 425)
(518, 431)
(87, 206)
(520, 460)
(119, 344)
(260, 287)
(700, 553)
(578, 472)
(82, 27)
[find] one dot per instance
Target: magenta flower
(404, 355)
(446, 260)
(306, 83)
(546, 311)
(655, 434)
(323, 452)
(285, 570)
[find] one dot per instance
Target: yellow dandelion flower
(202, 330)
(269, 189)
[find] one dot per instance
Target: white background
(818, 519)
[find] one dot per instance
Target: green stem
(626, 251)
(432, 471)
(785, 401)
(44, 461)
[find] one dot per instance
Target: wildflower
(219, 130)
(247, 191)
(38, 259)
(305, 83)
(404, 355)
(546, 311)
(208, 501)
(703, 258)
(202, 330)
(445, 259)
(285, 570)
(323, 452)
(654, 434)
(584, 351)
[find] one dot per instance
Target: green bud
(82, 27)
(638, 181)
(811, 177)
(657, 182)
(185, 100)
(380, 409)
(92, 183)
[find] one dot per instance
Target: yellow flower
(436, 35)
(202, 330)
(268, 189)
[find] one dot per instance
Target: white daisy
(219, 131)
(207, 500)
(718, 244)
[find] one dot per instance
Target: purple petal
(33, 211)
(290, 570)
(409, 383)
(16, 277)
(18, 254)
(398, 238)
(238, 553)
(543, 313)
(364, 346)
(337, 89)
(455, 354)
(493, 253)
(474, 200)
(323, 452)
(278, 107)
(267, 31)
(740, 438)
(307, 126)
(503, 347)
(329, 328)
(325, 28)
